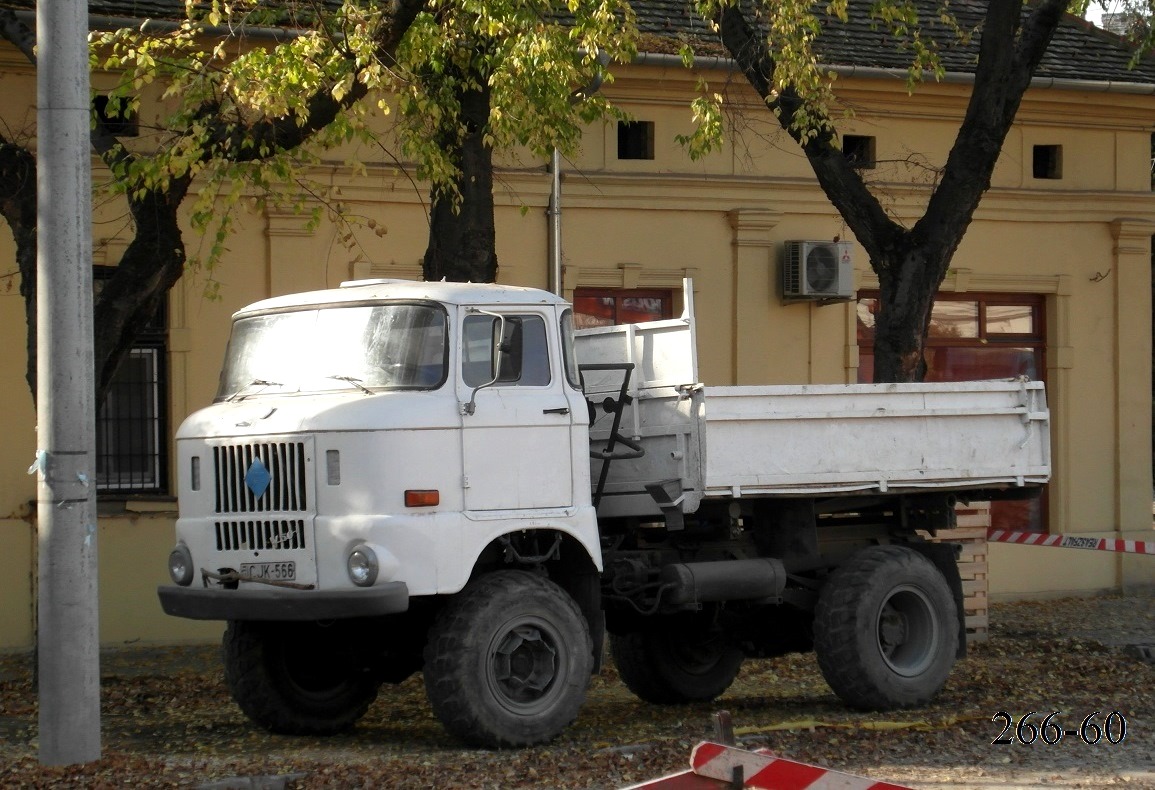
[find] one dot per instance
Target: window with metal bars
(131, 425)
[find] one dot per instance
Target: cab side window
(523, 358)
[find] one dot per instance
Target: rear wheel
(297, 678)
(677, 661)
(508, 661)
(886, 629)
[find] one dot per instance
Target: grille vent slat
(284, 463)
(260, 535)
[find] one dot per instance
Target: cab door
(516, 435)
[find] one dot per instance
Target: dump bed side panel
(875, 437)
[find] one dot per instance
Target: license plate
(269, 571)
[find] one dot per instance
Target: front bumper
(214, 603)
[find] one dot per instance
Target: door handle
(559, 410)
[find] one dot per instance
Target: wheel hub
(908, 631)
(524, 664)
(891, 630)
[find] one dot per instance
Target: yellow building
(1054, 276)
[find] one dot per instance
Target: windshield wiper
(241, 393)
(354, 381)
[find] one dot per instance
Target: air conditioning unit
(817, 270)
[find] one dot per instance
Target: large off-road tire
(886, 629)
(508, 661)
(297, 678)
(676, 661)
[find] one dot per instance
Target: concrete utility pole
(68, 634)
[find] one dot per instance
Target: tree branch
(291, 130)
(18, 34)
(1007, 63)
(842, 184)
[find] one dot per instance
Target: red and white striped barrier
(775, 773)
(682, 780)
(1070, 541)
(714, 766)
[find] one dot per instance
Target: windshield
(390, 346)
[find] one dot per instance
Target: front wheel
(675, 661)
(508, 661)
(297, 678)
(886, 629)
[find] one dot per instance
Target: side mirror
(496, 350)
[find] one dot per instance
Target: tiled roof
(1079, 50)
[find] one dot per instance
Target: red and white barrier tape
(1070, 541)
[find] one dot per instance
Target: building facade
(1052, 280)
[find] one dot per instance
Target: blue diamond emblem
(258, 478)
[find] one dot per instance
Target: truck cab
(353, 431)
(370, 451)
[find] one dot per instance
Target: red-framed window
(974, 337)
(612, 306)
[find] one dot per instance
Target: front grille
(260, 535)
(275, 485)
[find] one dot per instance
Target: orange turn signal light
(422, 498)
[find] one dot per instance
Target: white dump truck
(404, 476)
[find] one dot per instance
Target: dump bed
(697, 442)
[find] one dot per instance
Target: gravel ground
(167, 721)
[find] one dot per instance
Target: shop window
(611, 306)
(635, 139)
(972, 338)
(131, 425)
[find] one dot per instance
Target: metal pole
(68, 634)
(556, 269)
(554, 212)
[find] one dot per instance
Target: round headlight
(180, 565)
(363, 566)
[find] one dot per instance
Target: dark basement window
(1047, 161)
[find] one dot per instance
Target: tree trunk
(462, 237)
(907, 284)
(18, 207)
(150, 266)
